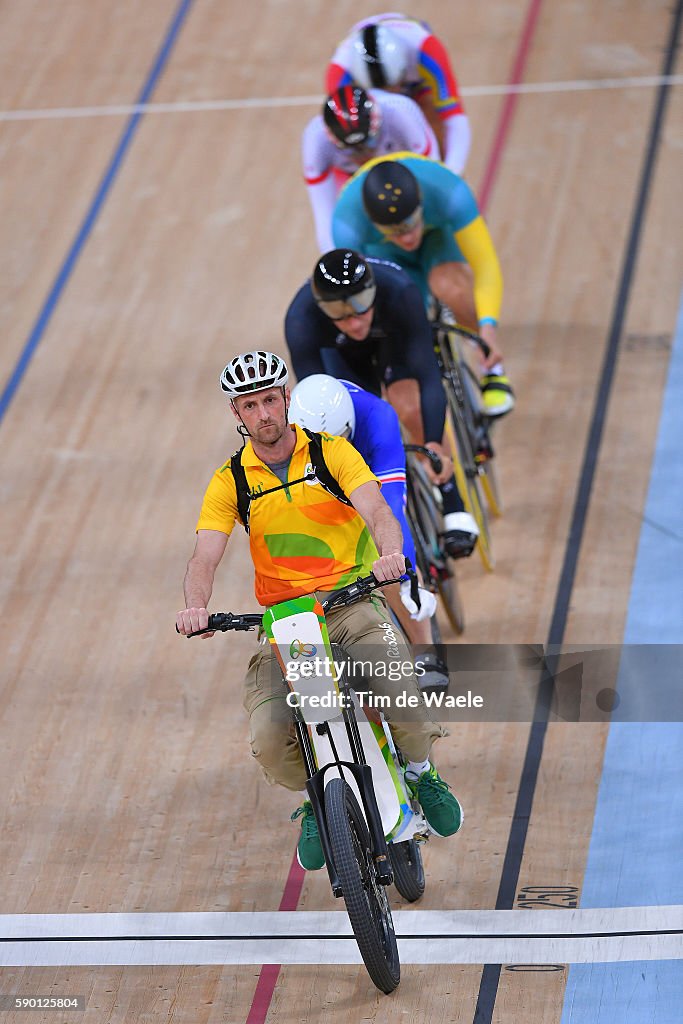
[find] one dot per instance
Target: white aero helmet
(379, 57)
(253, 371)
(321, 402)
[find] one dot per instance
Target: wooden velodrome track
(142, 250)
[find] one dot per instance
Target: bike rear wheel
(484, 455)
(426, 524)
(451, 602)
(468, 478)
(462, 430)
(406, 863)
(366, 900)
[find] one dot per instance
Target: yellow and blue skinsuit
(454, 231)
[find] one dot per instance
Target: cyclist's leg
(449, 277)
(453, 285)
(367, 634)
(271, 733)
(403, 393)
(460, 528)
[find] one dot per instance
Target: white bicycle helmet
(321, 402)
(379, 59)
(254, 371)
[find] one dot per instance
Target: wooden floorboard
(126, 773)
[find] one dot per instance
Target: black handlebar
(225, 621)
(464, 332)
(437, 464)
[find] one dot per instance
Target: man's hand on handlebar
(446, 470)
(191, 620)
(389, 567)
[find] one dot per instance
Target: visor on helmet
(352, 305)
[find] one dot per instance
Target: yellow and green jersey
(302, 538)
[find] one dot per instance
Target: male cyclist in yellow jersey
(305, 540)
(418, 214)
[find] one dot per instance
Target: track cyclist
(302, 541)
(423, 217)
(322, 403)
(355, 126)
(392, 51)
(364, 320)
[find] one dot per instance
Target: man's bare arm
(385, 529)
(198, 583)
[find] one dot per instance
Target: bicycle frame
(347, 755)
(339, 738)
(468, 432)
(425, 518)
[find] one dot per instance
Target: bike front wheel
(365, 898)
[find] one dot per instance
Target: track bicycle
(425, 519)
(468, 429)
(370, 827)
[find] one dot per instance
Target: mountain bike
(425, 519)
(369, 825)
(468, 429)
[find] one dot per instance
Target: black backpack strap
(325, 478)
(322, 473)
(242, 488)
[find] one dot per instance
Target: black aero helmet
(391, 193)
(351, 116)
(343, 284)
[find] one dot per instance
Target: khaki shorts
(367, 634)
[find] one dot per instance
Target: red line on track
(268, 976)
(295, 880)
(509, 104)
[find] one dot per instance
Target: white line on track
(264, 102)
(304, 937)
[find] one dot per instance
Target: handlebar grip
(465, 332)
(484, 346)
(219, 619)
(437, 464)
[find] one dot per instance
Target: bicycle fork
(362, 775)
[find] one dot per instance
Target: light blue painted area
(636, 850)
(635, 853)
(655, 614)
(646, 992)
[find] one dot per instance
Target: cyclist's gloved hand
(427, 602)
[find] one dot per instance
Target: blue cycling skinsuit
(377, 437)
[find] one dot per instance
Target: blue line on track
(86, 227)
(637, 842)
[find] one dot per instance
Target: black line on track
(488, 988)
(316, 936)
